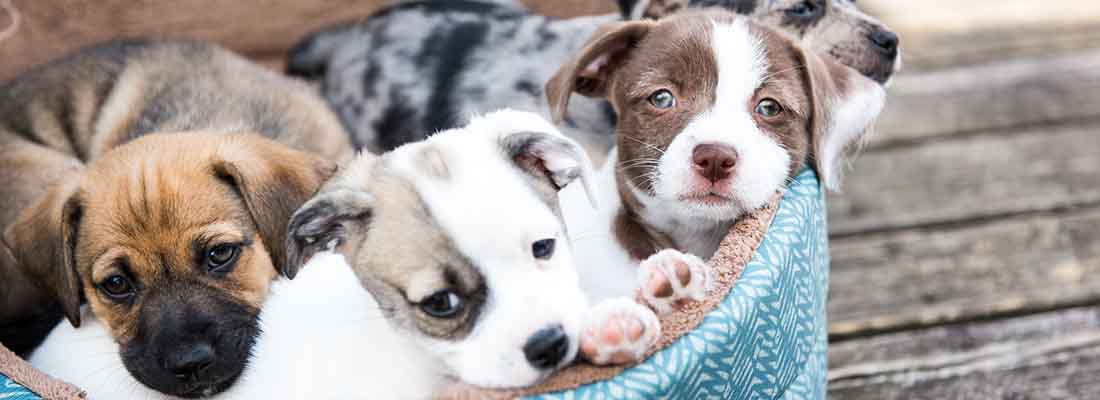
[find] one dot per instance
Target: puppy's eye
(543, 249)
(442, 304)
(804, 9)
(221, 256)
(768, 108)
(662, 99)
(117, 287)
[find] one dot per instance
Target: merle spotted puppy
(421, 67)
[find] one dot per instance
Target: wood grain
(947, 33)
(571, 8)
(924, 277)
(991, 97)
(1046, 356)
(49, 29)
(975, 178)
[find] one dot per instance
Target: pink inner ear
(592, 70)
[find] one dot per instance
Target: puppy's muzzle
(884, 41)
(547, 347)
(190, 360)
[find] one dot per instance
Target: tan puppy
(172, 239)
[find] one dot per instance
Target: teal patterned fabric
(9, 390)
(767, 339)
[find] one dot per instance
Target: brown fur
(150, 201)
(642, 57)
(150, 211)
(68, 113)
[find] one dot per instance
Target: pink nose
(714, 162)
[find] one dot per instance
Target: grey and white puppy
(421, 67)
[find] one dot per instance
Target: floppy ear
(553, 160)
(274, 180)
(589, 73)
(43, 241)
(845, 104)
(325, 221)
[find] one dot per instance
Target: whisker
(655, 148)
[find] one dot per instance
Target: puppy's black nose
(547, 347)
(714, 161)
(188, 361)
(886, 41)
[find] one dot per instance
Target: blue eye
(662, 99)
(768, 108)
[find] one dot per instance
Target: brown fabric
(735, 252)
(24, 374)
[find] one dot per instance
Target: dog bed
(760, 334)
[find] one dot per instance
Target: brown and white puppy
(171, 239)
(716, 114)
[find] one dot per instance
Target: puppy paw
(670, 277)
(619, 331)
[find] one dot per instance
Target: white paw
(671, 277)
(619, 331)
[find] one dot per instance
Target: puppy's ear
(845, 104)
(43, 241)
(274, 180)
(552, 159)
(590, 72)
(325, 221)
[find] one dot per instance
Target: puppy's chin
(233, 350)
(709, 208)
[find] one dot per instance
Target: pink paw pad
(619, 331)
(670, 278)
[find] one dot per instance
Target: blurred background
(966, 243)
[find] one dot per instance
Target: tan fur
(73, 112)
(399, 253)
(149, 202)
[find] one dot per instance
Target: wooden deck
(966, 246)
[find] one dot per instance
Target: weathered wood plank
(973, 178)
(898, 280)
(1045, 356)
(939, 33)
(952, 344)
(49, 29)
(991, 97)
(571, 8)
(925, 51)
